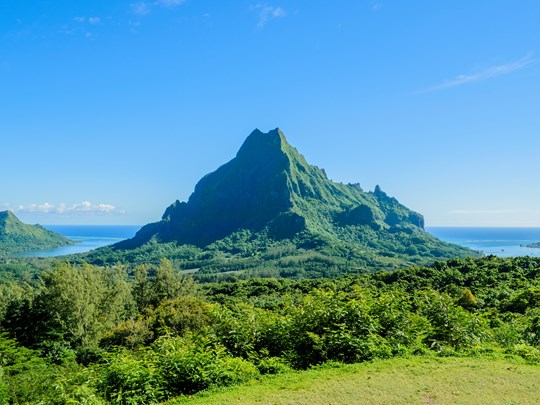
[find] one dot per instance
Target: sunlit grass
(398, 381)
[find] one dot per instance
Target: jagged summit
(15, 236)
(270, 187)
(260, 144)
(4, 215)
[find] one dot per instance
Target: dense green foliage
(250, 254)
(268, 209)
(81, 333)
(16, 236)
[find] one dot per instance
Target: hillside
(268, 207)
(16, 237)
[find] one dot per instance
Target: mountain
(16, 237)
(268, 199)
(270, 185)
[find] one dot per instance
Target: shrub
(529, 353)
(27, 378)
(133, 333)
(247, 331)
(181, 315)
(57, 351)
(532, 330)
(187, 366)
(273, 365)
(130, 379)
(523, 300)
(451, 325)
(467, 300)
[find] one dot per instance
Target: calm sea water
(504, 242)
(89, 237)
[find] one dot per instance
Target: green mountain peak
(5, 215)
(9, 222)
(269, 190)
(16, 236)
(259, 143)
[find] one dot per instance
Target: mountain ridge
(17, 237)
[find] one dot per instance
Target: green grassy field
(397, 381)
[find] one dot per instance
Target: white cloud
(488, 73)
(140, 8)
(85, 207)
(169, 3)
(267, 13)
(82, 27)
(90, 20)
(45, 208)
(145, 7)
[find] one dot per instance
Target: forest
(81, 333)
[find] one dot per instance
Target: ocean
(89, 237)
(503, 242)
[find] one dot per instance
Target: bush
(273, 365)
(451, 325)
(529, 353)
(173, 366)
(130, 379)
(187, 366)
(524, 300)
(181, 315)
(57, 351)
(467, 300)
(532, 330)
(247, 331)
(333, 326)
(27, 378)
(133, 334)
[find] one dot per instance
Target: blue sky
(111, 110)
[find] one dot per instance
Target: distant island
(269, 212)
(17, 237)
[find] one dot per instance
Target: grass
(420, 380)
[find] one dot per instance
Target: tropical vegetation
(80, 333)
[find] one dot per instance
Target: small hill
(16, 237)
(269, 208)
